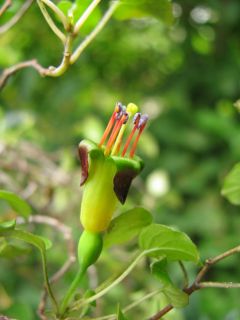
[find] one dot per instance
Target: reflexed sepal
(87, 151)
(127, 170)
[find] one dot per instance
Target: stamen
(115, 131)
(141, 125)
(131, 110)
(136, 119)
(115, 116)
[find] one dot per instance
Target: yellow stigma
(132, 108)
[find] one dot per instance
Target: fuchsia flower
(108, 168)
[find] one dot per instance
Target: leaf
(127, 226)
(120, 315)
(39, 242)
(173, 244)
(7, 225)
(176, 296)
(160, 9)
(231, 186)
(9, 251)
(17, 204)
(65, 6)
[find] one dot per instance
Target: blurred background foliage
(187, 78)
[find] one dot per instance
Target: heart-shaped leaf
(17, 204)
(172, 244)
(127, 226)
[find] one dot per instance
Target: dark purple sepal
(83, 155)
(87, 151)
(122, 182)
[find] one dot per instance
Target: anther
(117, 113)
(136, 120)
(115, 131)
(141, 125)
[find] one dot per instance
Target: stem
(5, 6)
(185, 275)
(56, 72)
(198, 284)
(58, 12)
(123, 275)
(16, 17)
(50, 21)
(85, 16)
(95, 32)
(69, 294)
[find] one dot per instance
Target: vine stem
(50, 21)
(5, 6)
(4, 28)
(95, 32)
(85, 16)
(198, 284)
(68, 296)
(120, 278)
(58, 12)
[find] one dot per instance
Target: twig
(85, 16)
(197, 284)
(185, 275)
(67, 235)
(16, 17)
(5, 6)
(58, 12)
(95, 32)
(68, 57)
(12, 70)
(50, 22)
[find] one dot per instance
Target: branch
(4, 28)
(85, 16)
(50, 21)
(5, 6)
(12, 70)
(58, 12)
(197, 284)
(95, 32)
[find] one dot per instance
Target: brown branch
(5, 6)
(20, 13)
(198, 284)
(12, 70)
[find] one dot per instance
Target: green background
(186, 77)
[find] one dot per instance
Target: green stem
(80, 303)
(69, 294)
(94, 32)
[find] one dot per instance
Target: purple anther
(143, 120)
(127, 117)
(136, 117)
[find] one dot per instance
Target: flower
(107, 171)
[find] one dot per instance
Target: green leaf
(7, 225)
(172, 244)
(231, 186)
(120, 315)
(65, 6)
(9, 251)
(127, 226)
(16, 203)
(40, 243)
(176, 297)
(160, 9)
